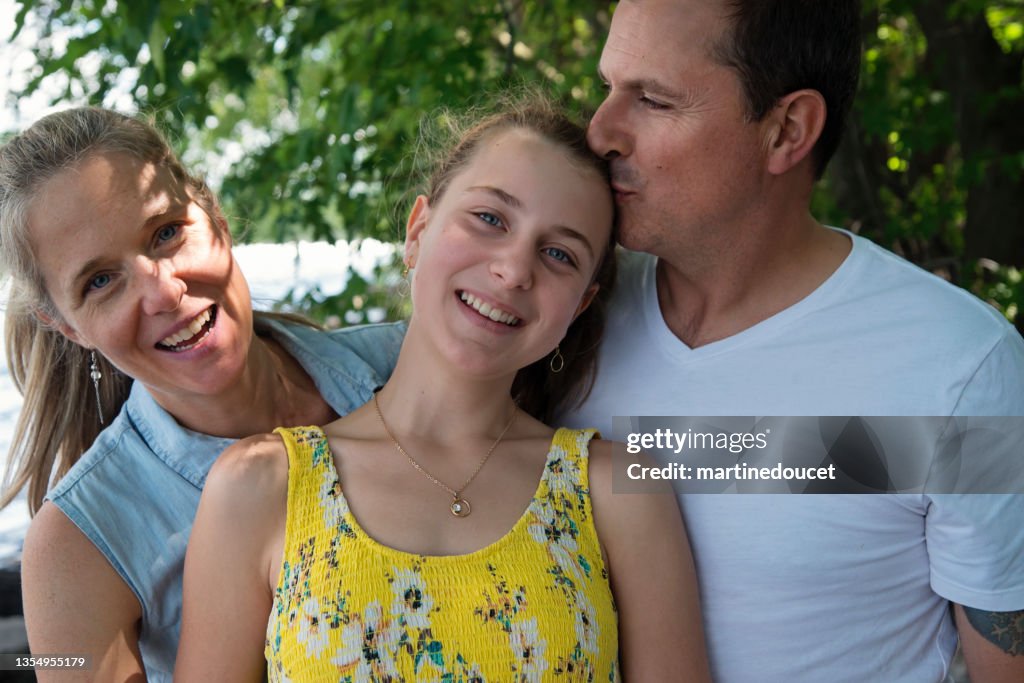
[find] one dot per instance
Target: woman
(392, 544)
(121, 269)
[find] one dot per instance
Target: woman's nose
(159, 286)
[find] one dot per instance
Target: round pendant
(460, 507)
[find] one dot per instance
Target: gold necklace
(460, 507)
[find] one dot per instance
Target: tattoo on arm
(1005, 630)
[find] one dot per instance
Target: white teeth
(486, 310)
(189, 331)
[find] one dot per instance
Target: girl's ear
(588, 296)
(414, 227)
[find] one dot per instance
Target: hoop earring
(404, 287)
(95, 375)
(557, 361)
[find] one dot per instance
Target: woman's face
(140, 273)
(504, 261)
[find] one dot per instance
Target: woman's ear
(61, 327)
(414, 227)
(222, 224)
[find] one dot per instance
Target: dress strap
(569, 456)
(315, 500)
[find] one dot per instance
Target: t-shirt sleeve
(975, 540)
(997, 386)
(976, 549)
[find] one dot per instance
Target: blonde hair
(59, 419)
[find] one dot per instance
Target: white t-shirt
(829, 587)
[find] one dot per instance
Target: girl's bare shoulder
(248, 473)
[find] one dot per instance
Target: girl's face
(139, 272)
(505, 260)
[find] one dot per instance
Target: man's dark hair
(779, 46)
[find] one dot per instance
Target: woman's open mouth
(190, 335)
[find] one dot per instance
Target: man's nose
(607, 132)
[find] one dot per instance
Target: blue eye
(489, 218)
(168, 232)
(558, 255)
(98, 282)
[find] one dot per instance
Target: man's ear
(588, 297)
(61, 327)
(414, 227)
(798, 120)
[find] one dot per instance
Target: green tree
(932, 164)
(304, 112)
(311, 108)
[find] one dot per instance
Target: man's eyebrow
(650, 85)
(512, 201)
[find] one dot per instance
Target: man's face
(686, 163)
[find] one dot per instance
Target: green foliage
(1003, 286)
(381, 297)
(932, 165)
(303, 113)
(314, 103)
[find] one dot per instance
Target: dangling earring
(96, 375)
(403, 285)
(557, 360)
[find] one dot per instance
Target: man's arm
(993, 644)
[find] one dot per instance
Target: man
(719, 118)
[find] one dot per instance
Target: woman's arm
(76, 604)
(229, 567)
(661, 637)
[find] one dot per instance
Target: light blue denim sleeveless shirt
(134, 493)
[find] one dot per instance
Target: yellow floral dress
(535, 605)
